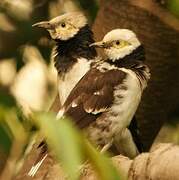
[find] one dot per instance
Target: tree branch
(161, 163)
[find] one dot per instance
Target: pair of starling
(100, 95)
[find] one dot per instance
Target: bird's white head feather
(119, 43)
(125, 35)
(65, 26)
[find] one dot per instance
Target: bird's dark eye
(117, 42)
(63, 25)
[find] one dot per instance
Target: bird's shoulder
(143, 73)
(94, 92)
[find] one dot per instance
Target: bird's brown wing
(92, 95)
(56, 105)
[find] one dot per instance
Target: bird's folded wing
(92, 95)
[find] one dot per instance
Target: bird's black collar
(68, 51)
(137, 56)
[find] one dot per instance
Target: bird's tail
(37, 165)
(42, 156)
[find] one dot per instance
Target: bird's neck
(68, 51)
(129, 61)
(135, 62)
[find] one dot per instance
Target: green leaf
(102, 164)
(5, 139)
(64, 140)
(5, 134)
(14, 127)
(71, 148)
(6, 99)
(90, 6)
(173, 6)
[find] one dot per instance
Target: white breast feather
(66, 84)
(126, 106)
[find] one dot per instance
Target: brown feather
(92, 95)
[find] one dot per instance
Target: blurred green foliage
(7, 100)
(173, 6)
(66, 143)
(91, 6)
(72, 149)
(64, 140)
(5, 140)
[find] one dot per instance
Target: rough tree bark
(160, 163)
(159, 32)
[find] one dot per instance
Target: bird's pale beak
(99, 44)
(43, 24)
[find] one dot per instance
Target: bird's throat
(68, 51)
(137, 56)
